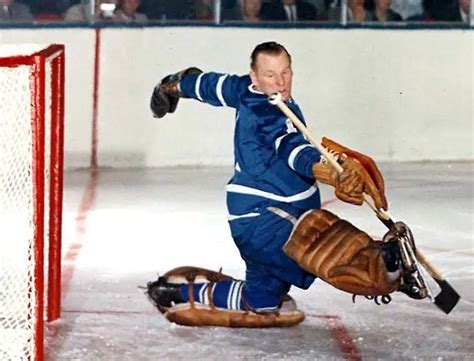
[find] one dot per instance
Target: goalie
(274, 206)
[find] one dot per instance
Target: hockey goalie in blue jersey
(274, 207)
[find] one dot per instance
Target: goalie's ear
(367, 162)
(253, 78)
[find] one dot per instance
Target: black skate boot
(163, 294)
(398, 251)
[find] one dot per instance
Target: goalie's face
(272, 73)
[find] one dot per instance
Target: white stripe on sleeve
(278, 141)
(197, 86)
(294, 153)
(220, 96)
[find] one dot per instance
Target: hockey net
(31, 166)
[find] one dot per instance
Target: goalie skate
(413, 283)
(165, 295)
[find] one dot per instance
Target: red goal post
(31, 184)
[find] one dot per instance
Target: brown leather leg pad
(340, 254)
(197, 314)
(202, 315)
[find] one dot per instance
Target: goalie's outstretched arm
(212, 88)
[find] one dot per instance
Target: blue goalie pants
(269, 272)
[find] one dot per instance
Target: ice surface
(148, 221)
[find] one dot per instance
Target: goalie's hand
(166, 94)
(162, 103)
(361, 175)
(352, 183)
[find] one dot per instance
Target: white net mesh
(18, 295)
(16, 216)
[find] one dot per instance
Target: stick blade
(448, 298)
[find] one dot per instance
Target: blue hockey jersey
(273, 160)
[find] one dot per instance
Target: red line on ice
(341, 335)
(329, 201)
(111, 312)
(70, 258)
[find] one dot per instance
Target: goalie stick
(447, 299)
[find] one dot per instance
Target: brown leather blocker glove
(360, 175)
(340, 254)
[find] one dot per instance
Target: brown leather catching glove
(166, 94)
(360, 175)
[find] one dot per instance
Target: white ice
(145, 222)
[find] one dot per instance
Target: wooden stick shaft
(428, 266)
(328, 156)
(299, 124)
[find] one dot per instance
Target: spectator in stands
(78, 12)
(382, 12)
(104, 10)
(465, 10)
(203, 10)
(251, 10)
(166, 9)
(361, 11)
(321, 8)
(127, 11)
(333, 10)
(357, 10)
(231, 9)
(288, 10)
(409, 10)
(448, 10)
(13, 11)
(52, 10)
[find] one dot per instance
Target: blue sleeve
(213, 88)
(299, 154)
(289, 143)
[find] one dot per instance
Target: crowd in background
(254, 11)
